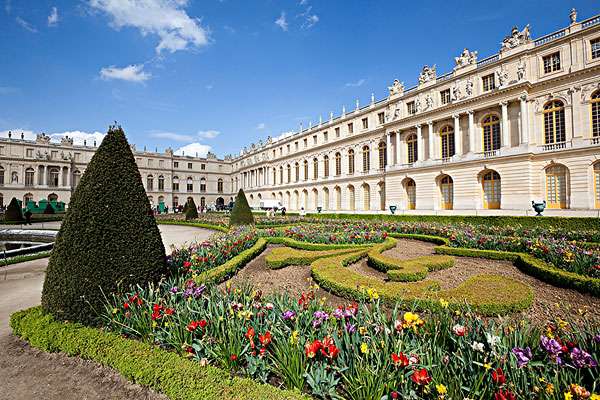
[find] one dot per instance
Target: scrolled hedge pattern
(281, 257)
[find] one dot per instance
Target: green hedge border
(230, 267)
(299, 257)
(24, 258)
(298, 244)
(194, 224)
(143, 363)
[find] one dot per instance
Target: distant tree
(241, 213)
(191, 211)
(108, 240)
(13, 212)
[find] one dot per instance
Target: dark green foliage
(13, 212)
(241, 213)
(49, 209)
(191, 211)
(108, 239)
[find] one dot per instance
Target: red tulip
(504, 395)
(265, 339)
(400, 359)
(420, 377)
(498, 376)
(311, 349)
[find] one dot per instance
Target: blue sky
(221, 74)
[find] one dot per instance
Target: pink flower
(459, 330)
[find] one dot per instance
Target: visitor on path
(302, 212)
(282, 211)
(28, 217)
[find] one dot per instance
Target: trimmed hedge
(24, 258)
(283, 256)
(13, 212)
(142, 363)
(567, 223)
(241, 213)
(297, 244)
(190, 210)
(194, 224)
(229, 268)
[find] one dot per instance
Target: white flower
(492, 340)
(477, 346)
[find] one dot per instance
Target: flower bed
(330, 233)
(361, 351)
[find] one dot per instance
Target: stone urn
(392, 209)
(319, 209)
(538, 207)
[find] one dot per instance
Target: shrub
(13, 212)
(190, 209)
(283, 256)
(241, 213)
(108, 239)
(49, 209)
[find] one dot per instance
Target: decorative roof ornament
(397, 88)
(427, 74)
(516, 38)
(573, 16)
(465, 58)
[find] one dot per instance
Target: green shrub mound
(190, 210)
(143, 363)
(108, 239)
(229, 268)
(241, 213)
(13, 212)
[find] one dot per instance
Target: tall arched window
(220, 185)
(1, 200)
(325, 199)
(150, 183)
(1, 176)
(297, 167)
(554, 122)
(491, 190)
(203, 184)
(175, 201)
(447, 192)
(411, 194)
(281, 175)
(289, 173)
(326, 166)
(315, 168)
(175, 183)
(274, 175)
(351, 161)
(447, 140)
(29, 177)
(596, 113)
(366, 158)
(305, 170)
(382, 155)
(411, 148)
(351, 198)
(190, 184)
(597, 184)
(202, 202)
(338, 164)
(491, 132)
(338, 198)
(161, 183)
(366, 197)
(556, 186)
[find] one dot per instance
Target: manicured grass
(229, 268)
(28, 257)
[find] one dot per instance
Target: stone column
(431, 140)
(505, 128)
(45, 175)
(420, 143)
(524, 137)
(457, 135)
(398, 148)
(471, 132)
(389, 155)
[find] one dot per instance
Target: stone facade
(495, 133)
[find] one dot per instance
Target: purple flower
(174, 289)
(288, 315)
(523, 356)
(350, 328)
(187, 293)
(597, 338)
(551, 346)
(319, 316)
(582, 359)
(338, 313)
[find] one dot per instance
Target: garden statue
(538, 207)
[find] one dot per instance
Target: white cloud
(261, 126)
(25, 25)
(310, 21)
(16, 134)
(53, 17)
(303, 2)
(165, 18)
(358, 83)
(281, 22)
(77, 136)
(192, 149)
(131, 73)
(7, 6)
(208, 87)
(210, 134)
(172, 136)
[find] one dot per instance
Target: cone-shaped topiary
(108, 239)
(241, 213)
(49, 209)
(191, 211)
(13, 212)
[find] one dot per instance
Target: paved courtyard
(26, 373)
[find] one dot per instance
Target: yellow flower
(595, 396)
(549, 388)
(487, 366)
(444, 303)
(568, 396)
(294, 337)
(154, 324)
(115, 310)
(441, 389)
(362, 330)
(364, 348)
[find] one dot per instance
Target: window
(161, 183)
(274, 181)
(1, 176)
(203, 167)
(350, 128)
(350, 161)
(289, 173)
(175, 184)
(76, 178)
(189, 165)
(491, 133)
(77, 156)
(305, 141)
(445, 96)
(338, 164)
(315, 139)
(447, 191)
(489, 82)
(288, 148)
(447, 136)
(315, 168)
(1, 150)
(365, 123)
(190, 184)
(325, 136)
(202, 202)
(366, 197)
(54, 172)
(54, 154)
(176, 164)
(595, 46)
(412, 149)
(382, 155)
(551, 62)
(326, 166)
(411, 194)
(381, 118)
(491, 190)
(351, 198)
(597, 184)
(411, 109)
(366, 156)
(29, 153)
(175, 201)
(274, 153)
(203, 184)
(337, 132)
(556, 186)
(596, 113)
(281, 175)
(150, 183)
(297, 169)
(305, 170)
(554, 122)
(150, 162)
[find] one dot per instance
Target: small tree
(13, 212)
(49, 209)
(241, 213)
(108, 240)
(191, 211)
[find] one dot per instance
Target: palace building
(494, 133)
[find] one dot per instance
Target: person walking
(28, 217)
